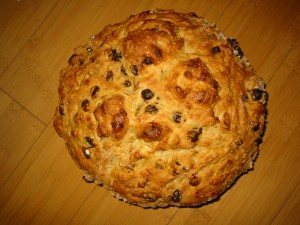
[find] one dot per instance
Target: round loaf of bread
(161, 109)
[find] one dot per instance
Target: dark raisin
(90, 141)
(176, 196)
(113, 52)
(119, 56)
(265, 98)
(237, 51)
(115, 56)
(81, 62)
(232, 41)
(148, 60)
(256, 94)
(76, 59)
(93, 58)
(89, 49)
(154, 29)
(151, 109)
(71, 60)
(177, 117)
(158, 52)
(214, 84)
(258, 140)
(215, 50)
(86, 153)
(185, 168)
(177, 163)
(239, 143)
(194, 181)
(84, 105)
(109, 76)
(123, 70)
(175, 172)
(61, 110)
(147, 94)
(134, 70)
(256, 127)
(245, 97)
(127, 83)
(94, 91)
(194, 135)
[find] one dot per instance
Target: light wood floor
(40, 184)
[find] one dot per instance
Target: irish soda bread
(162, 109)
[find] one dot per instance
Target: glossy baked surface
(162, 109)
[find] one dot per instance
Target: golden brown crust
(161, 109)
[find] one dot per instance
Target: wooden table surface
(40, 184)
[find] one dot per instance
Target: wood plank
(18, 21)
(289, 214)
(46, 187)
(102, 208)
(18, 132)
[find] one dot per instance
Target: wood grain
(19, 130)
(39, 182)
(19, 20)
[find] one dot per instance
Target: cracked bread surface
(162, 109)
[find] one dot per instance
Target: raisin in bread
(162, 109)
